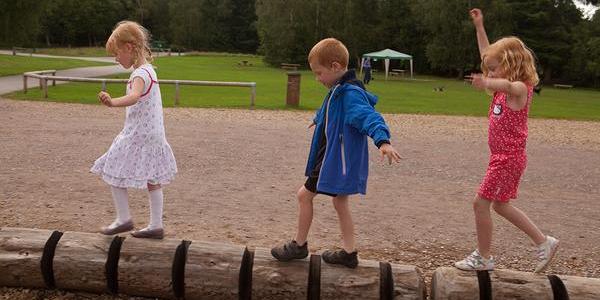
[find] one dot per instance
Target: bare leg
(346, 225)
(305, 214)
(520, 219)
(484, 225)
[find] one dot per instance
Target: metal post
(53, 81)
(252, 96)
(24, 84)
(103, 86)
(176, 93)
(45, 86)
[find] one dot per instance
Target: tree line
(437, 33)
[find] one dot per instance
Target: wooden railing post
(252, 96)
(53, 81)
(45, 87)
(176, 93)
(24, 84)
(104, 86)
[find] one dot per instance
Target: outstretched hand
(478, 81)
(105, 98)
(390, 152)
(476, 16)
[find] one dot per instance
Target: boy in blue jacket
(338, 163)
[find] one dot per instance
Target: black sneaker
(290, 251)
(341, 257)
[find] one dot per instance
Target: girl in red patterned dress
(509, 72)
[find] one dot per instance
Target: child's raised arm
(482, 39)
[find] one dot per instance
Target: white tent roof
(387, 55)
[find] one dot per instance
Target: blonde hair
(328, 51)
(134, 34)
(514, 58)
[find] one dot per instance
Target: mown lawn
(396, 95)
(13, 65)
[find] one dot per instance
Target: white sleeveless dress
(140, 154)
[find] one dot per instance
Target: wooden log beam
(21, 252)
(175, 269)
(212, 270)
(451, 283)
(145, 267)
(80, 262)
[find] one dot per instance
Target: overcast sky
(588, 10)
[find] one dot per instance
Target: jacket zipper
(326, 139)
(343, 154)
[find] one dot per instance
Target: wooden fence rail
(43, 77)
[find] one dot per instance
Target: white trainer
(475, 262)
(545, 253)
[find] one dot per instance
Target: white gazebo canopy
(388, 54)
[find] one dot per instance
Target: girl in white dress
(140, 156)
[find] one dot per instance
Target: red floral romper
(507, 137)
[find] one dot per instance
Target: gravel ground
(239, 171)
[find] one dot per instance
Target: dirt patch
(239, 171)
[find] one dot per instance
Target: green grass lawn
(396, 96)
(82, 51)
(13, 65)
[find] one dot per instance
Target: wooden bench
(244, 63)
(563, 86)
(159, 50)
(292, 67)
(24, 50)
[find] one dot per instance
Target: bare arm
(137, 89)
(516, 90)
(482, 39)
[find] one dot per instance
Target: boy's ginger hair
(134, 34)
(328, 51)
(514, 58)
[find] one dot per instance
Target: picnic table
(397, 72)
(293, 67)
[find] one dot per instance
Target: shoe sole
(552, 253)
(116, 230)
(286, 259)
(351, 266)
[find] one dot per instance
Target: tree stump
(450, 283)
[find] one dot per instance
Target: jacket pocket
(343, 152)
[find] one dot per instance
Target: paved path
(9, 84)
(98, 59)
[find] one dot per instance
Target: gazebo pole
(387, 67)
(362, 61)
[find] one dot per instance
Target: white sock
(121, 201)
(156, 209)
